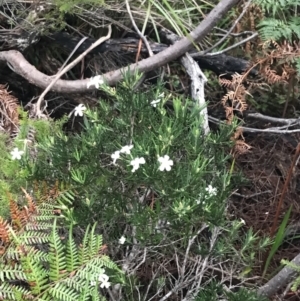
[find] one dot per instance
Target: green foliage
(172, 128)
(281, 23)
(57, 271)
(245, 295)
(15, 173)
(69, 5)
(154, 207)
(278, 239)
(213, 291)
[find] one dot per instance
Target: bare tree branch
(29, 72)
(67, 68)
(279, 280)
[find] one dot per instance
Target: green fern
(57, 267)
(272, 29)
(72, 261)
(39, 264)
(279, 22)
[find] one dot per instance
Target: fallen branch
(198, 80)
(22, 67)
(273, 130)
(67, 68)
(279, 280)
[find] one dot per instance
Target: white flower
(126, 149)
(136, 163)
(122, 240)
(16, 154)
(211, 191)
(95, 81)
(79, 110)
(93, 283)
(104, 281)
(115, 156)
(243, 221)
(154, 103)
(165, 163)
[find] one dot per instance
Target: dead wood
(22, 67)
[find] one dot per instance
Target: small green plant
(69, 5)
(143, 169)
(38, 263)
(278, 240)
(213, 291)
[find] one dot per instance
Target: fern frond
(63, 293)
(11, 292)
(297, 61)
(83, 255)
(104, 261)
(76, 282)
(40, 226)
(53, 270)
(37, 276)
(15, 214)
(72, 261)
(56, 256)
(95, 295)
(11, 272)
(95, 242)
(31, 237)
(30, 203)
(85, 293)
(273, 29)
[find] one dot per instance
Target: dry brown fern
(235, 98)
(25, 217)
(248, 24)
(9, 115)
(240, 146)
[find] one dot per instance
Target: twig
(254, 35)
(198, 80)
(279, 280)
(251, 195)
(69, 67)
(287, 181)
(74, 50)
(137, 29)
(288, 121)
(230, 30)
(253, 130)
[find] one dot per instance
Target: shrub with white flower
(155, 102)
(122, 240)
(78, 111)
(165, 163)
(102, 279)
(95, 81)
(115, 156)
(136, 163)
(123, 200)
(126, 149)
(16, 154)
(212, 191)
